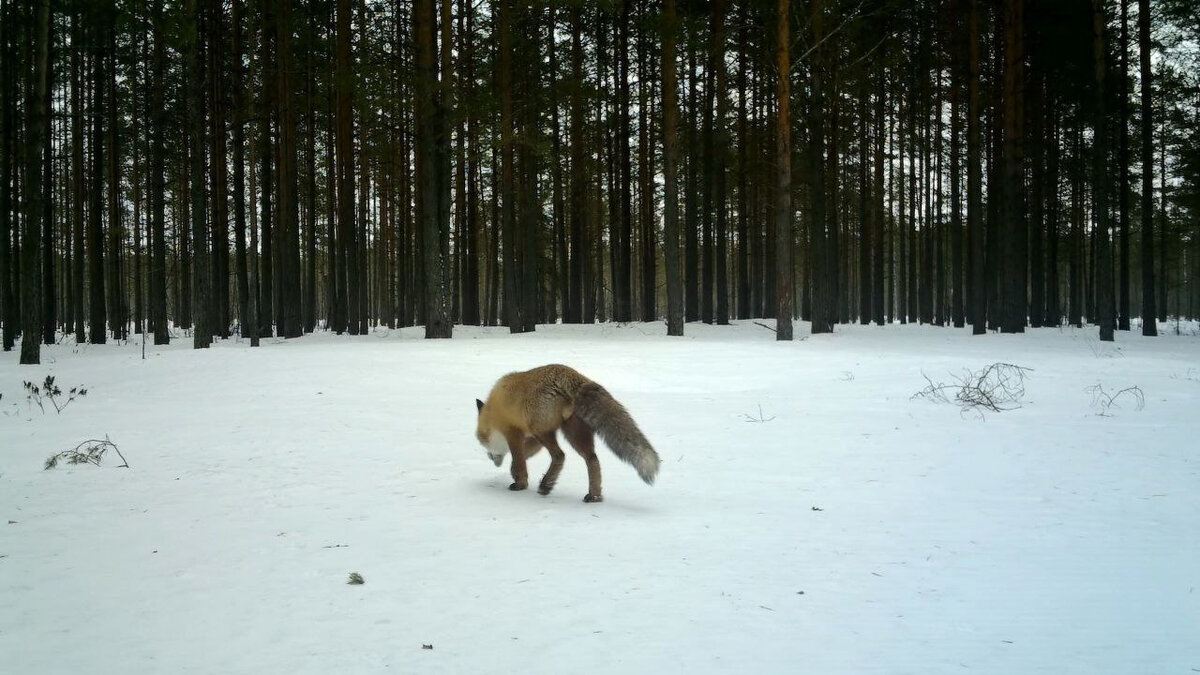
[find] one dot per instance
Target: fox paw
(517, 486)
(545, 489)
(590, 498)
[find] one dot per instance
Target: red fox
(525, 410)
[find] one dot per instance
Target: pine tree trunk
(201, 278)
(957, 281)
(579, 252)
(78, 169)
(743, 141)
(978, 297)
(35, 139)
(1149, 310)
(239, 177)
(878, 305)
(513, 316)
(437, 320)
(718, 160)
(670, 29)
(267, 178)
(97, 314)
(8, 299)
(344, 316)
(691, 218)
(864, 200)
(1013, 232)
(1104, 285)
(43, 88)
(219, 303)
(646, 182)
(1122, 168)
(308, 315)
(287, 241)
(114, 282)
(783, 175)
(1053, 315)
(1037, 210)
(818, 245)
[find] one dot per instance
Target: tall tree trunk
(267, 179)
(1104, 285)
(473, 231)
(744, 293)
(1014, 235)
(513, 315)
(1149, 327)
(691, 217)
(1037, 211)
(880, 214)
(8, 299)
(43, 88)
(344, 316)
(864, 200)
(239, 177)
(1053, 312)
(35, 138)
(579, 252)
(97, 314)
(1123, 170)
(78, 169)
(718, 162)
(819, 264)
(978, 304)
(432, 183)
(783, 176)
(114, 284)
(308, 314)
(670, 29)
(646, 182)
(202, 331)
(957, 282)
(288, 240)
(623, 245)
(219, 302)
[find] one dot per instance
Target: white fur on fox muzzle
(497, 447)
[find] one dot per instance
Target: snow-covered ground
(853, 529)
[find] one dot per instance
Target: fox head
(493, 441)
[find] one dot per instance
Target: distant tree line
(275, 167)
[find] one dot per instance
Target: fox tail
(616, 428)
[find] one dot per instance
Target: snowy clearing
(810, 515)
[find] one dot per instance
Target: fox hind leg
(581, 437)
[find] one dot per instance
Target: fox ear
(478, 405)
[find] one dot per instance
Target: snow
(853, 529)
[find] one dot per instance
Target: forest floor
(810, 515)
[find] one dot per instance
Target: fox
(525, 411)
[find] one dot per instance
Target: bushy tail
(616, 428)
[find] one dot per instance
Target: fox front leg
(520, 473)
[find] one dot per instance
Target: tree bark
(201, 279)
(1149, 310)
(239, 176)
(670, 28)
(1014, 234)
(783, 176)
(35, 138)
(432, 183)
(97, 314)
(978, 304)
(344, 317)
(1104, 285)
